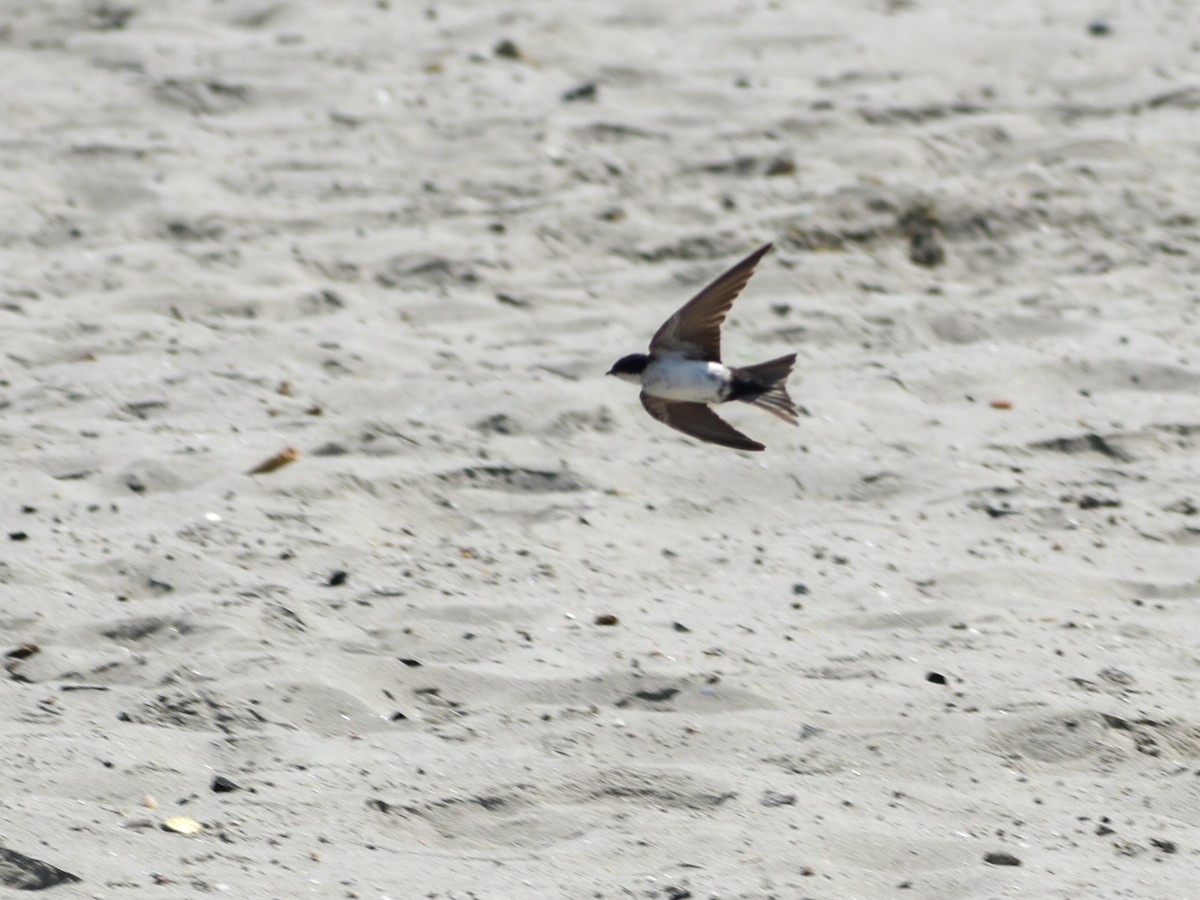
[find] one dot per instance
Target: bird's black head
(630, 367)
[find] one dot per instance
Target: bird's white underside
(689, 380)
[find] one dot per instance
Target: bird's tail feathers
(765, 385)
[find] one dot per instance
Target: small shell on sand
(278, 461)
(182, 825)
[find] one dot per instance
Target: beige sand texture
(921, 639)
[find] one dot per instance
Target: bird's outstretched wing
(698, 420)
(695, 330)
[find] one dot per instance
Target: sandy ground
(940, 641)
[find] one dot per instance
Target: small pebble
(1000, 858)
(506, 49)
(774, 798)
(182, 825)
(782, 165)
(585, 91)
(284, 457)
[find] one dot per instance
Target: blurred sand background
(940, 641)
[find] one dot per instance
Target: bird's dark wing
(695, 330)
(699, 421)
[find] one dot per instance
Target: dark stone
(506, 49)
(585, 91)
(921, 225)
(657, 696)
(1000, 858)
(24, 873)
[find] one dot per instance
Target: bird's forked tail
(765, 385)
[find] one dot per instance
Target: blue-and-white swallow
(683, 373)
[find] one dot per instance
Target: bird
(683, 375)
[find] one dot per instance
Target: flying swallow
(683, 373)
